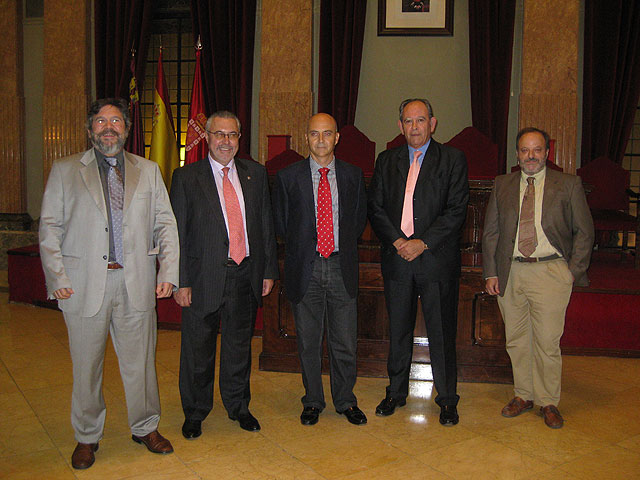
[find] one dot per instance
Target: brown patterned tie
(528, 240)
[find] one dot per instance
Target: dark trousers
(198, 349)
(326, 303)
(440, 309)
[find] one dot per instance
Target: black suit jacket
(296, 223)
(439, 208)
(204, 241)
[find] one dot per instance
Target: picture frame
(415, 18)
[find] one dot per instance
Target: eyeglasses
(220, 135)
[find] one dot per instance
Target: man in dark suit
(227, 242)
(417, 206)
(320, 211)
(537, 241)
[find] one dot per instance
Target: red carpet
(606, 315)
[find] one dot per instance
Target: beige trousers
(134, 335)
(533, 308)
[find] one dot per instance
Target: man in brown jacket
(537, 241)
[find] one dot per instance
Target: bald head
(322, 137)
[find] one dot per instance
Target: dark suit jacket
(296, 223)
(439, 207)
(204, 241)
(566, 221)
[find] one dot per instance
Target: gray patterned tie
(116, 201)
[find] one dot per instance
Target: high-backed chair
(481, 152)
(282, 160)
(356, 148)
(609, 202)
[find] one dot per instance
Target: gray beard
(108, 150)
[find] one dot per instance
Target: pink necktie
(407, 209)
(527, 238)
(325, 216)
(237, 248)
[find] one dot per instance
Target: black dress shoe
(388, 406)
(449, 415)
(354, 415)
(309, 415)
(247, 421)
(192, 429)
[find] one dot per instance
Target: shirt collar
(217, 167)
(101, 158)
(422, 149)
(539, 177)
(315, 166)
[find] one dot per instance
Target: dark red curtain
(227, 31)
(490, 51)
(341, 38)
(611, 86)
(119, 26)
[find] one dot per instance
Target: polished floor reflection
(600, 440)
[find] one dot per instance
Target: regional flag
(164, 150)
(135, 142)
(196, 145)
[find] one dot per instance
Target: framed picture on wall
(415, 17)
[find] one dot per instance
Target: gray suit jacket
(74, 237)
(566, 221)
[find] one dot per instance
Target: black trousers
(198, 349)
(327, 305)
(440, 309)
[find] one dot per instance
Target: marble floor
(600, 440)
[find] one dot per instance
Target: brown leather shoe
(516, 406)
(154, 442)
(83, 456)
(552, 417)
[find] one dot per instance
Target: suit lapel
(402, 162)
(247, 182)
(208, 187)
(131, 179)
(429, 164)
(550, 190)
(91, 177)
(512, 195)
(343, 190)
(306, 188)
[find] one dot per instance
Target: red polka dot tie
(325, 216)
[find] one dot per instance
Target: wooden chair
(609, 203)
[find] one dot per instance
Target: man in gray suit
(228, 262)
(537, 241)
(106, 219)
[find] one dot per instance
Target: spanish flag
(164, 150)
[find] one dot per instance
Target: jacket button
(104, 257)
(106, 229)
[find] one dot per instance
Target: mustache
(108, 131)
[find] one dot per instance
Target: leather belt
(333, 254)
(535, 259)
(232, 263)
(114, 266)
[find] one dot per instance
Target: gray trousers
(327, 299)
(134, 337)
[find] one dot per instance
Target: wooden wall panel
(557, 115)
(12, 180)
(286, 97)
(67, 74)
(549, 98)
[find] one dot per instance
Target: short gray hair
(409, 100)
(222, 114)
